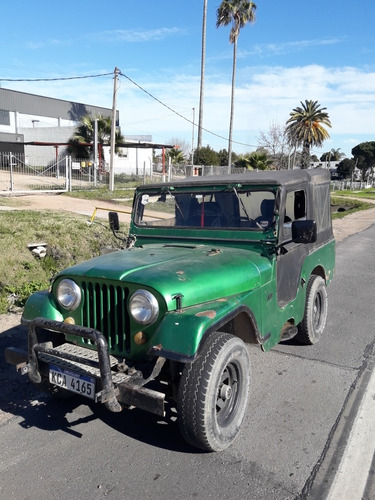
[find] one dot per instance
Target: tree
(181, 145)
(223, 157)
(275, 142)
(333, 155)
(364, 154)
(243, 162)
(177, 157)
(84, 135)
(259, 160)
(305, 128)
(238, 13)
(206, 156)
(345, 168)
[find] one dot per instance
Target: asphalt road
(304, 402)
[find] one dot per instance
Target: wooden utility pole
(113, 133)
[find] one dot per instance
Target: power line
(134, 83)
(52, 79)
(178, 114)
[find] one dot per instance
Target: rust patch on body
(210, 314)
(181, 276)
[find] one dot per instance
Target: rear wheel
(214, 392)
(316, 308)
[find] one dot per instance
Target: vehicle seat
(267, 208)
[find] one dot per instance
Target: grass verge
(68, 238)
(364, 193)
(342, 206)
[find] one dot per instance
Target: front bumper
(116, 387)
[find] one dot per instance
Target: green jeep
(210, 264)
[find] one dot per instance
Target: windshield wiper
(175, 202)
(244, 208)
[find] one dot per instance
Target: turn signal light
(140, 338)
(69, 320)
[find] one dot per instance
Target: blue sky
(296, 50)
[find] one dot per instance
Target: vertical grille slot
(104, 308)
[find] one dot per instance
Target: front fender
(179, 335)
(41, 305)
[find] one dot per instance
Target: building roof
(31, 104)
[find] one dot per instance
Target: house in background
(28, 118)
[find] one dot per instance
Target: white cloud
(263, 95)
(282, 48)
(133, 35)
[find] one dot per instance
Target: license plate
(72, 381)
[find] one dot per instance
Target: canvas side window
(322, 200)
(295, 209)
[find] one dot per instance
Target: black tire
(213, 393)
(316, 309)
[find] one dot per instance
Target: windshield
(233, 209)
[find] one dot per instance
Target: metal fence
(347, 184)
(22, 174)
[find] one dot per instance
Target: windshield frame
(234, 206)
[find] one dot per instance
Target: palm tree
(176, 156)
(238, 13)
(305, 128)
(84, 135)
(336, 154)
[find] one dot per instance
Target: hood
(199, 273)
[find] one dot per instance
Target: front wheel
(316, 309)
(213, 393)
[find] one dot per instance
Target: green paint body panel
(42, 305)
(204, 279)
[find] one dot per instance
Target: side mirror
(114, 222)
(304, 231)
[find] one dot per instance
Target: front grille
(104, 308)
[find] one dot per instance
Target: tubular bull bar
(129, 391)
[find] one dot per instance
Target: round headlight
(144, 307)
(68, 294)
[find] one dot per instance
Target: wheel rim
(317, 311)
(227, 394)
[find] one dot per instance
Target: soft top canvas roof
(271, 177)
